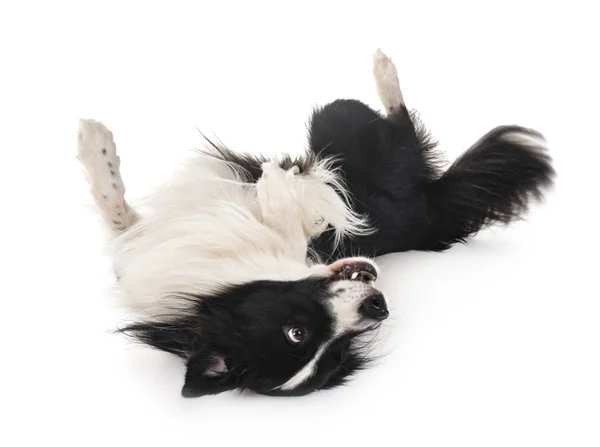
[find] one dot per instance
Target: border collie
(228, 264)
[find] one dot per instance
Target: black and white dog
(225, 264)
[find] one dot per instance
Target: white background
(495, 343)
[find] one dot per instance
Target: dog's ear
(175, 337)
(209, 373)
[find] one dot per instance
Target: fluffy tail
(494, 181)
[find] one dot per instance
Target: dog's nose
(374, 307)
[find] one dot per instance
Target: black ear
(176, 337)
(209, 373)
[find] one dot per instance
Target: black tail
(494, 181)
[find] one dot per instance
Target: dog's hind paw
(386, 80)
(97, 153)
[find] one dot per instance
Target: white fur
(279, 194)
(386, 81)
(530, 140)
(307, 371)
(348, 295)
(206, 229)
(98, 154)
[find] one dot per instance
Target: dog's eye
(296, 334)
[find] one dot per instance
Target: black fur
(244, 328)
(494, 181)
(392, 171)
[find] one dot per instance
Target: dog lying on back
(226, 263)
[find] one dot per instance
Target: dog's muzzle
(354, 269)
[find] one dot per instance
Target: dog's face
(276, 338)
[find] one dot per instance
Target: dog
(259, 273)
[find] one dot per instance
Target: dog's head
(275, 337)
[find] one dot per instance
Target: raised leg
(279, 196)
(386, 81)
(384, 158)
(98, 155)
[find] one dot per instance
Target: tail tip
(523, 137)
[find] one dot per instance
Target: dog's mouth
(354, 269)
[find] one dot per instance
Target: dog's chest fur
(202, 232)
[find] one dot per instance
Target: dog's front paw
(279, 193)
(272, 171)
(277, 182)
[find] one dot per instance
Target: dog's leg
(388, 86)
(98, 155)
(279, 196)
